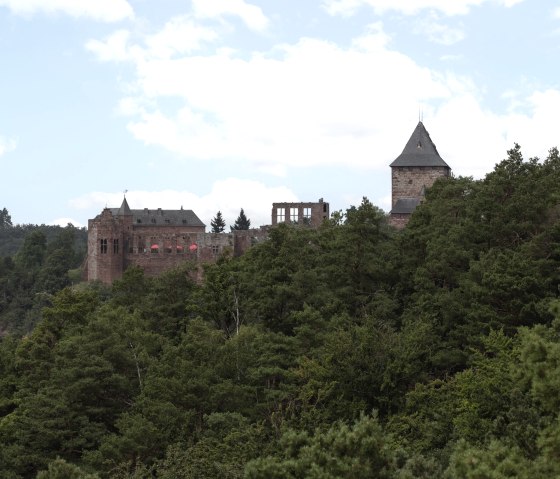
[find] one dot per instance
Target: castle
(158, 240)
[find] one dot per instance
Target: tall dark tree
(5, 218)
(218, 224)
(242, 222)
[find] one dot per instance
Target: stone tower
(107, 243)
(414, 170)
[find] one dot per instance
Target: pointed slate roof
(124, 210)
(420, 150)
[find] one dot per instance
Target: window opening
(307, 215)
(103, 245)
(115, 246)
(293, 215)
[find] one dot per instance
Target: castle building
(414, 170)
(158, 240)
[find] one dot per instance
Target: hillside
(352, 350)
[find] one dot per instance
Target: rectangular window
(215, 249)
(293, 215)
(280, 218)
(115, 246)
(103, 244)
(307, 216)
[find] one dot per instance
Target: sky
(228, 104)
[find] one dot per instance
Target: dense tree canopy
(351, 350)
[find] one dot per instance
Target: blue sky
(228, 104)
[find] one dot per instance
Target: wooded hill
(351, 351)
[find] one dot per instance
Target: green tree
(217, 223)
(242, 222)
(5, 219)
(359, 451)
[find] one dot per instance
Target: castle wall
(162, 240)
(410, 181)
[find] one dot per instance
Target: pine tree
(242, 222)
(218, 224)
(5, 219)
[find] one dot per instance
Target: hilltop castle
(158, 240)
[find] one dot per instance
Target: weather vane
(125, 192)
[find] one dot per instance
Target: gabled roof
(161, 217)
(420, 150)
(405, 206)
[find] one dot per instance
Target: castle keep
(414, 170)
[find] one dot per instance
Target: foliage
(241, 223)
(218, 223)
(273, 364)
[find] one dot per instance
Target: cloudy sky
(228, 104)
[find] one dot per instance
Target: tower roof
(124, 210)
(419, 150)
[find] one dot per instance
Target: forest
(348, 351)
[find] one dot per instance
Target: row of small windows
(153, 221)
(104, 246)
(294, 215)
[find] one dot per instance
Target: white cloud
(472, 140)
(65, 221)
(101, 10)
(314, 103)
(227, 196)
(556, 12)
(181, 35)
(113, 48)
(251, 15)
(310, 103)
(408, 7)
(438, 32)
(7, 145)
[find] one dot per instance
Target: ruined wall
(245, 239)
(305, 214)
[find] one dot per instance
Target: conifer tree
(5, 218)
(242, 222)
(217, 223)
